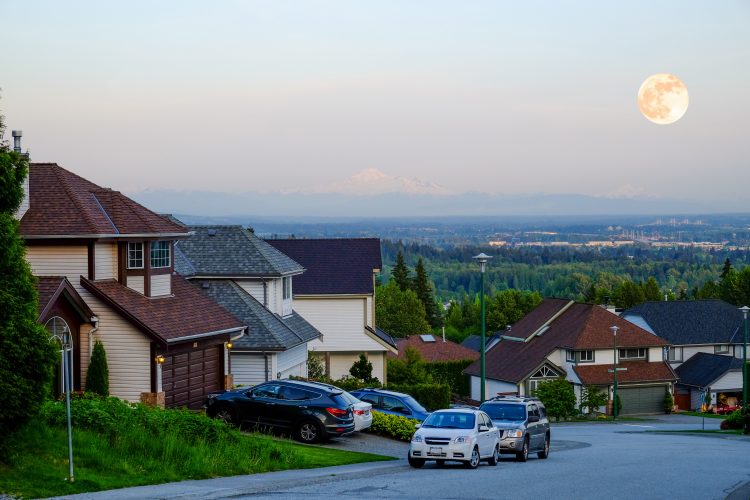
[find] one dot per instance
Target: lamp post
(745, 427)
(482, 258)
(614, 371)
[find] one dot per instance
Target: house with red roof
(105, 270)
(562, 338)
(434, 349)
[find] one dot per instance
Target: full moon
(663, 98)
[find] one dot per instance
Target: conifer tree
(97, 375)
(423, 289)
(400, 273)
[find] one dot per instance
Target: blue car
(393, 403)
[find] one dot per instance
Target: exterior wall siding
(341, 362)
(68, 261)
(341, 321)
(293, 358)
(253, 287)
(105, 261)
(730, 381)
(136, 283)
(161, 284)
(249, 369)
(491, 387)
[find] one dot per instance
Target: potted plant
(668, 402)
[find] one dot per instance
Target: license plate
(435, 451)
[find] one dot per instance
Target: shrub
(361, 369)
(668, 401)
(558, 397)
(733, 421)
(451, 373)
(431, 396)
(97, 375)
(315, 368)
(402, 428)
(592, 398)
(410, 370)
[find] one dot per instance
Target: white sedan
(462, 435)
(362, 412)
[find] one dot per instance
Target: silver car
(523, 425)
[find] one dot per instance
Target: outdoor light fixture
(482, 258)
(159, 359)
(745, 427)
(229, 345)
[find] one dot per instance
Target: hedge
(402, 428)
(431, 396)
(451, 373)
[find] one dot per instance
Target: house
(434, 349)
(693, 327)
(337, 295)
(562, 338)
(254, 281)
(720, 376)
(105, 266)
(474, 342)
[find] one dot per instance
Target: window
(286, 285)
(721, 349)
(160, 253)
(294, 394)
(633, 353)
(570, 356)
(372, 399)
(135, 255)
(544, 373)
(674, 354)
(267, 391)
(586, 356)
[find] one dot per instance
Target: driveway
(624, 460)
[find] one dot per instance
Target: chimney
(17, 134)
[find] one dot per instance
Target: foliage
(97, 375)
(592, 398)
(315, 368)
(410, 370)
(423, 288)
(402, 428)
(558, 397)
(362, 370)
(503, 308)
(400, 273)
(668, 401)
(452, 374)
(399, 312)
(26, 354)
(431, 396)
(734, 420)
(618, 405)
(629, 294)
(116, 444)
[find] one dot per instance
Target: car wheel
(226, 415)
(495, 458)
(523, 454)
(545, 452)
(440, 463)
(473, 462)
(309, 432)
(417, 463)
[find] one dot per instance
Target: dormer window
(286, 284)
(160, 254)
(135, 255)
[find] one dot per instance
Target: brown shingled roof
(580, 326)
(637, 371)
(185, 314)
(50, 288)
(64, 204)
(435, 351)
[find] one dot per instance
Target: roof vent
(17, 134)
(212, 232)
(427, 338)
(251, 229)
(205, 285)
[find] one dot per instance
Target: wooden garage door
(642, 399)
(188, 377)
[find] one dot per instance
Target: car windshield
(450, 420)
(349, 398)
(414, 405)
(505, 411)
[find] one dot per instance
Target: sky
(501, 97)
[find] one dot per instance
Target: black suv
(311, 412)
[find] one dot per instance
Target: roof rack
(524, 399)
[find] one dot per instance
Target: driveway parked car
(394, 403)
(522, 423)
(311, 412)
(467, 436)
(362, 411)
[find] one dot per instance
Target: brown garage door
(188, 377)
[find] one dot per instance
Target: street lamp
(482, 258)
(745, 427)
(614, 371)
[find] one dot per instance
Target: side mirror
(533, 418)
(483, 428)
(417, 426)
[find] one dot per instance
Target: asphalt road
(626, 460)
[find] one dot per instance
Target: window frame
(570, 356)
(286, 287)
(156, 246)
(625, 350)
(580, 358)
(721, 349)
(135, 250)
(672, 354)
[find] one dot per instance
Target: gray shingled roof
(703, 369)
(230, 251)
(687, 322)
(474, 342)
(266, 330)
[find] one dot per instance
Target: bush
(362, 369)
(431, 396)
(558, 397)
(315, 368)
(97, 375)
(410, 370)
(402, 428)
(733, 421)
(668, 401)
(592, 398)
(451, 373)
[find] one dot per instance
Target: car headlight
(515, 433)
(462, 439)
(416, 439)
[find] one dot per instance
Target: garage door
(187, 378)
(641, 399)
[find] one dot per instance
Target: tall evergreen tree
(400, 273)
(651, 290)
(423, 289)
(97, 375)
(26, 353)
(726, 269)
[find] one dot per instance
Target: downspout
(95, 321)
(265, 359)
(265, 297)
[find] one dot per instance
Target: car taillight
(359, 412)
(336, 412)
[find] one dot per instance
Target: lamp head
(482, 258)
(614, 330)
(229, 345)
(744, 310)
(159, 359)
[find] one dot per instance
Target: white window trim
(580, 356)
(143, 262)
(621, 349)
(169, 255)
(721, 349)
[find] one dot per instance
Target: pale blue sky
(503, 97)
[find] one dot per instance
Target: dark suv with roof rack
(523, 425)
(311, 412)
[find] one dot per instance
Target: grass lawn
(699, 414)
(133, 455)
